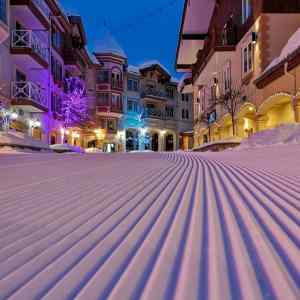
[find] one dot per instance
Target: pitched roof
(109, 45)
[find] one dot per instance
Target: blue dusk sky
(145, 29)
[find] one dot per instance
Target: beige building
(235, 47)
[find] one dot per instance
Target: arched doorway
(154, 142)
(132, 140)
(53, 139)
(92, 144)
(169, 142)
(275, 111)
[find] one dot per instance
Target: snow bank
(284, 134)
(229, 141)
(61, 148)
(16, 139)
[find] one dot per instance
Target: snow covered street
(151, 226)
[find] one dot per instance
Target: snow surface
(151, 225)
(283, 134)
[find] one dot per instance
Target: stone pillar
(297, 108)
(161, 142)
(240, 128)
(261, 122)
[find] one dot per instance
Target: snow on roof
(209, 226)
(109, 45)
(151, 63)
(292, 45)
(174, 80)
(92, 57)
(133, 69)
(181, 83)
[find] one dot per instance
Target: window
(169, 112)
(103, 99)
(227, 77)
(185, 114)
(247, 10)
(56, 103)
(3, 11)
(247, 57)
(132, 106)
(111, 125)
(185, 97)
(103, 76)
(56, 70)
(170, 92)
(132, 85)
(116, 101)
(56, 39)
(116, 78)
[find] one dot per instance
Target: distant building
(137, 108)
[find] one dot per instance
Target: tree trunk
(233, 125)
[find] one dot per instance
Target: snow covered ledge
(16, 140)
(217, 146)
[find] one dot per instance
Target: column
(297, 108)
(240, 123)
(161, 142)
(261, 122)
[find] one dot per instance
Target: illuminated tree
(74, 104)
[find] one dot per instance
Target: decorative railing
(23, 39)
(108, 109)
(154, 113)
(154, 93)
(41, 4)
(30, 91)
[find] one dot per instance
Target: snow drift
(283, 134)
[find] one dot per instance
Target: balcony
(109, 111)
(29, 96)
(26, 42)
(154, 113)
(108, 86)
(35, 10)
(154, 94)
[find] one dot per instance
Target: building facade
(231, 51)
(137, 108)
(40, 47)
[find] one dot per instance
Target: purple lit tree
(74, 104)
